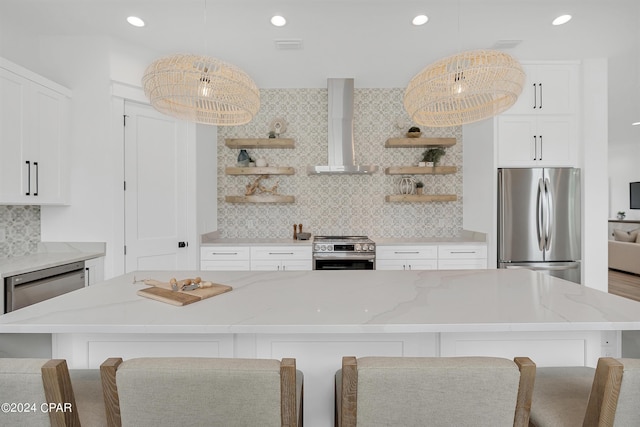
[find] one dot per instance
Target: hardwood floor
(624, 284)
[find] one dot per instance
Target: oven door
(344, 261)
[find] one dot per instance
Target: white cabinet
(281, 258)
(541, 129)
(225, 258)
(537, 141)
(462, 257)
(93, 271)
(549, 88)
(419, 257)
(34, 133)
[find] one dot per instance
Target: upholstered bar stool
(76, 398)
(202, 392)
(434, 391)
(580, 396)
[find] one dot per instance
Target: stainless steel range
(344, 253)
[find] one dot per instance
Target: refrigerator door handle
(549, 214)
(540, 218)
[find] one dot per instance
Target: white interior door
(155, 190)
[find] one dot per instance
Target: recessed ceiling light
(635, 124)
(420, 20)
(135, 21)
(278, 21)
(562, 19)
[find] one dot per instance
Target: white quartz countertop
(51, 255)
(337, 302)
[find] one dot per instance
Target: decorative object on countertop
(464, 88)
(295, 232)
(255, 186)
(414, 132)
(419, 187)
(406, 185)
(432, 156)
(201, 89)
(621, 214)
(243, 158)
(278, 126)
(304, 236)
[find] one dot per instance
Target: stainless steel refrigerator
(539, 220)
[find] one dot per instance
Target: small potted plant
(419, 187)
(432, 156)
(414, 132)
(621, 214)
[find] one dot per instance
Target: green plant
(419, 184)
(433, 155)
(621, 213)
(414, 129)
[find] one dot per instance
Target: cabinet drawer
(462, 264)
(462, 252)
(406, 252)
(244, 265)
(225, 253)
(280, 252)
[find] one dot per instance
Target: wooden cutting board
(162, 292)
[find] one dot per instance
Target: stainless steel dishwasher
(36, 286)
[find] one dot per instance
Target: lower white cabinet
(407, 257)
(225, 258)
(268, 258)
(431, 257)
(93, 271)
(462, 257)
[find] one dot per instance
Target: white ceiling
(371, 40)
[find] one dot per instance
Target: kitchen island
(320, 316)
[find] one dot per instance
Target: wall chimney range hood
(340, 144)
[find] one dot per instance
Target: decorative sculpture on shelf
(255, 187)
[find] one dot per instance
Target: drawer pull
(463, 252)
(280, 253)
(224, 253)
(406, 252)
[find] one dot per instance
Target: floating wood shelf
(421, 198)
(260, 171)
(419, 142)
(420, 170)
(260, 143)
(260, 199)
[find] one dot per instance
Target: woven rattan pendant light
(464, 88)
(201, 89)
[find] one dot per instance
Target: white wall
(594, 174)
(624, 167)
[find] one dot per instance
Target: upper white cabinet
(549, 88)
(541, 129)
(34, 133)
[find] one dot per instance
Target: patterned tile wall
(337, 204)
(21, 225)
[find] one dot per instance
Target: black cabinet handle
(28, 193)
(540, 146)
(535, 96)
(35, 193)
(535, 147)
(540, 85)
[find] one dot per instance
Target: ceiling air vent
(289, 44)
(506, 44)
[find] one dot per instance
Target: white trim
(129, 92)
(36, 78)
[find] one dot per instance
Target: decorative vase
(419, 190)
(406, 185)
(621, 216)
(243, 158)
